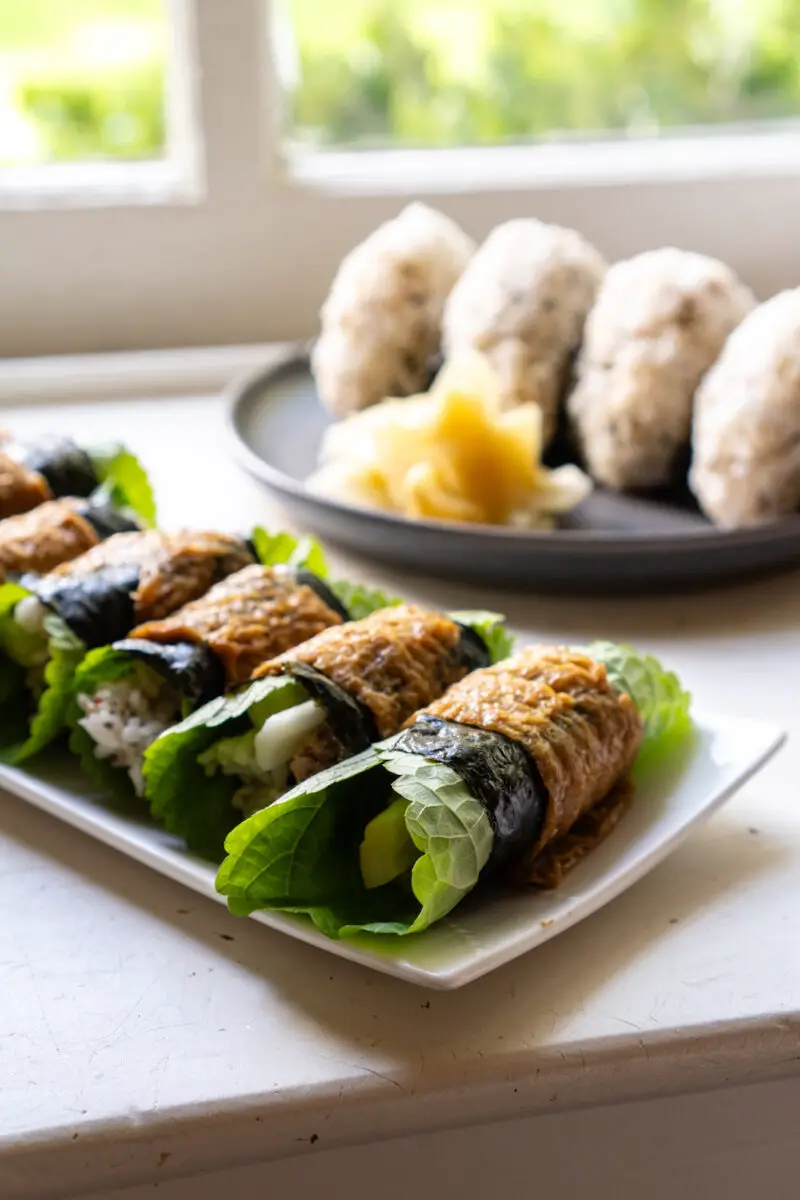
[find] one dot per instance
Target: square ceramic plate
(487, 931)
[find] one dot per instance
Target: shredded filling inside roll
(281, 749)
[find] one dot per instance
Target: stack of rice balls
(645, 360)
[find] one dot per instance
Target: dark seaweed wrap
(44, 470)
(559, 739)
(372, 675)
(218, 640)
(54, 533)
(135, 577)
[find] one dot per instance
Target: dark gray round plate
(609, 544)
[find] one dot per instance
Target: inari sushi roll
(660, 321)
(127, 693)
(51, 468)
(48, 622)
(522, 302)
(56, 532)
(382, 320)
(510, 777)
(746, 436)
(311, 707)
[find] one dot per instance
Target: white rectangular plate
(486, 931)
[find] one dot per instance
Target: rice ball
(659, 323)
(382, 320)
(522, 302)
(746, 435)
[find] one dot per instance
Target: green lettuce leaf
(359, 600)
(232, 755)
(13, 706)
(20, 650)
(103, 665)
(663, 704)
(20, 645)
(450, 828)
(66, 651)
(12, 681)
(491, 628)
(301, 855)
(273, 549)
(123, 481)
(183, 797)
(281, 856)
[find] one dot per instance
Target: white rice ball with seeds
(522, 302)
(746, 434)
(659, 323)
(382, 320)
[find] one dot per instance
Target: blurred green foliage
(82, 79)
(120, 115)
(416, 73)
(540, 68)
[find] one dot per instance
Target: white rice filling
(123, 721)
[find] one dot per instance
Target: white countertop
(143, 1028)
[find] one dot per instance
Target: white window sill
(97, 185)
(148, 373)
(694, 158)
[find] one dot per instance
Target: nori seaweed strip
(194, 670)
(106, 520)
(351, 723)
(302, 576)
(472, 650)
(68, 470)
(98, 608)
(499, 772)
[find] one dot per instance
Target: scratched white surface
(138, 1020)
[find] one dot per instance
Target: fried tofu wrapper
(509, 779)
(48, 622)
(309, 708)
(51, 468)
(127, 693)
(54, 533)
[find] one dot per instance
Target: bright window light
(376, 73)
(82, 81)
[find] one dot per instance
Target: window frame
(235, 238)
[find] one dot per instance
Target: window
(185, 172)
(487, 72)
(80, 81)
